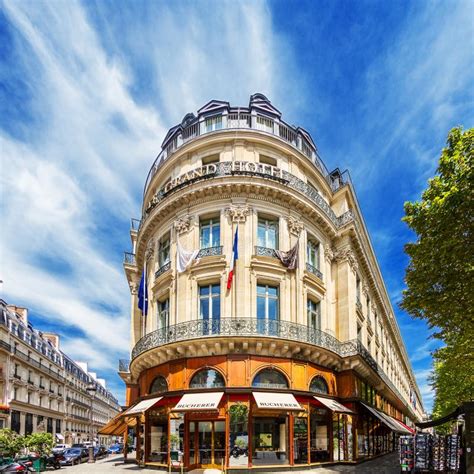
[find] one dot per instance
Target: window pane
(272, 290)
(216, 307)
(261, 241)
(260, 307)
(215, 241)
(205, 237)
(204, 290)
(261, 289)
(216, 289)
(272, 309)
(204, 308)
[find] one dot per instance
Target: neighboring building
(229, 377)
(42, 389)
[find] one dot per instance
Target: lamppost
(91, 390)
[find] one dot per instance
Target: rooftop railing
(239, 121)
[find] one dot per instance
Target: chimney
(22, 312)
(53, 338)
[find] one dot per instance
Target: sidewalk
(387, 464)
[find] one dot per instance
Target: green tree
(440, 274)
(41, 443)
(11, 442)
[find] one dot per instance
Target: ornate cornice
(295, 225)
(150, 249)
(329, 253)
(238, 214)
(347, 255)
(183, 224)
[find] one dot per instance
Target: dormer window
(214, 123)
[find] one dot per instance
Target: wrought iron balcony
(164, 268)
(209, 252)
(129, 258)
(265, 252)
(246, 327)
(312, 269)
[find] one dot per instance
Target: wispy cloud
(74, 163)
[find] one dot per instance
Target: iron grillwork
(312, 269)
(210, 252)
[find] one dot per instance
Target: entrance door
(207, 446)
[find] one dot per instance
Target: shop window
(300, 439)
(238, 434)
(15, 421)
(270, 378)
(163, 309)
(267, 233)
(158, 437)
(207, 378)
(319, 435)
(319, 385)
(270, 441)
(314, 315)
(267, 309)
(164, 250)
(210, 308)
(159, 385)
(210, 233)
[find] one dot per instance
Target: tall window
(267, 309)
(312, 253)
(213, 123)
(314, 314)
(210, 233)
(163, 313)
(164, 250)
(159, 385)
(267, 234)
(318, 385)
(210, 308)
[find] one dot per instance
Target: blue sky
(88, 91)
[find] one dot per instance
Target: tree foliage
(41, 443)
(11, 442)
(440, 274)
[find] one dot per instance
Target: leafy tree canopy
(440, 275)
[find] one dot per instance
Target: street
(114, 464)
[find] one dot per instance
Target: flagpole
(144, 300)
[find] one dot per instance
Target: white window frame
(270, 225)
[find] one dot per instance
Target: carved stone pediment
(238, 214)
(295, 225)
(183, 224)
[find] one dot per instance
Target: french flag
(235, 256)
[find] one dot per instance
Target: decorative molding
(329, 253)
(365, 289)
(238, 214)
(347, 255)
(150, 249)
(133, 288)
(295, 225)
(183, 224)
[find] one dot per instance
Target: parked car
(100, 452)
(78, 445)
(74, 456)
(60, 448)
(115, 449)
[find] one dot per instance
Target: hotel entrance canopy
(333, 405)
(276, 401)
(199, 401)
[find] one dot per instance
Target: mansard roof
(213, 106)
(259, 101)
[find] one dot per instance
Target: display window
(319, 435)
(158, 437)
(270, 441)
(238, 435)
(300, 440)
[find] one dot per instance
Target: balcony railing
(246, 120)
(265, 252)
(129, 258)
(253, 327)
(210, 252)
(312, 269)
(164, 268)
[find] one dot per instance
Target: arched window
(207, 378)
(319, 385)
(270, 378)
(159, 385)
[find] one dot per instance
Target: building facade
(42, 389)
(299, 360)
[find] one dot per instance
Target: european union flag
(143, 295)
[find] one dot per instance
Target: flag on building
(235, 256)
(185, 257)
(143, 294)
(289, 259)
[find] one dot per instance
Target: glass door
(207, 443)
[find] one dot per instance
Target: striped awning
(116, 426)
(333, 405)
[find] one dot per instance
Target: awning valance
(333, 405)
(404, 429)
(141, 407)
(276, 401)
(116, 426)
(199, 401)
(390, 422)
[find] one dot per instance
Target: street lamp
(91, 390)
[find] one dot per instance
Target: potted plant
(41, 444)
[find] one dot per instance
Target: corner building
(290, 367)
